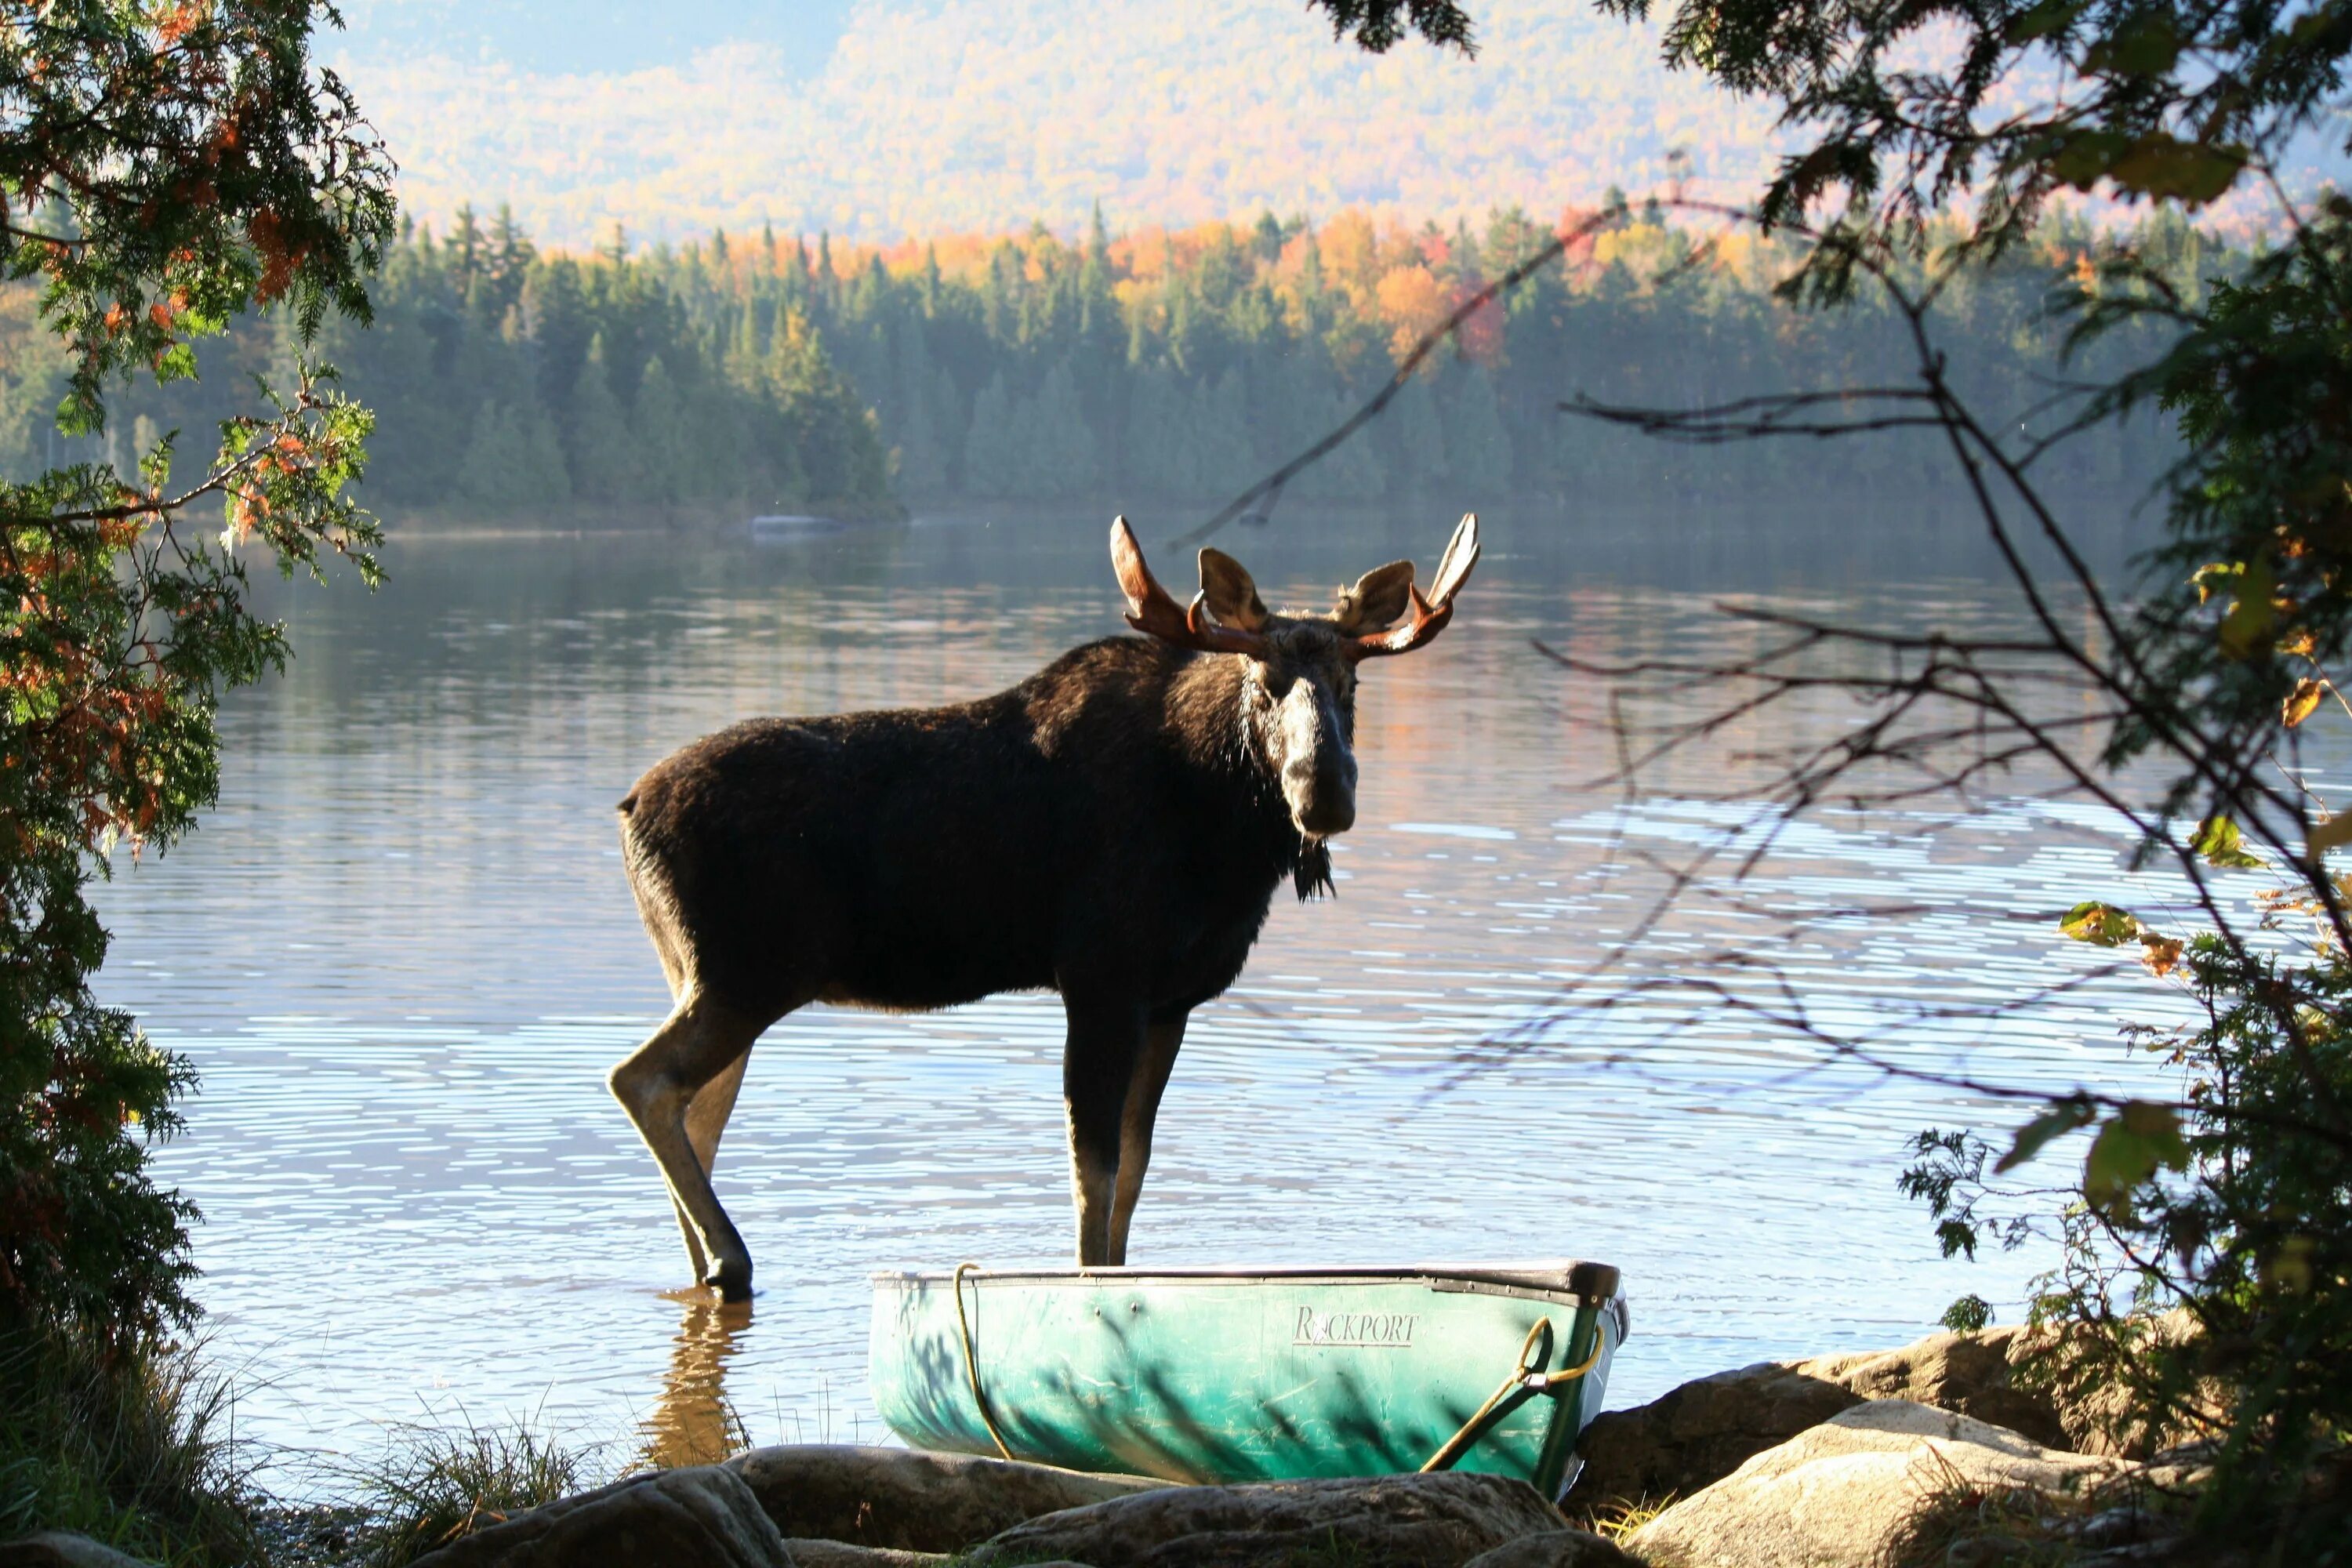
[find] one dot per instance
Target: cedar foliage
(162, 169)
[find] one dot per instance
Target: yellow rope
(972, 1362)
(1524, 1379)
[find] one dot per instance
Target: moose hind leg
(705, 1120)
(1161, 1039)
(1097, 1061)
(660, 1085)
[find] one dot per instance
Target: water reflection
(694, 1424)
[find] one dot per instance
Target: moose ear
(1377, 599)
(1232, 596)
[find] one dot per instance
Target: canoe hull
(1227, 1376)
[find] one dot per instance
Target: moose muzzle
(1318, 769)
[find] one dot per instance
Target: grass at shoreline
(134, 1448)
(434, 1485)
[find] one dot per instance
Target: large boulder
(1969, 1375)
(1699, 1433)
(840, 1554)
(1380, 1521)
(808, 1553)
(1555, 1549)
(1836, 1495)
(704, 1515)
(909, 1500)
(62, 1548)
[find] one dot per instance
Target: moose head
(1298, 688)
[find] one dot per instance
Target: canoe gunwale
(1574, 1283)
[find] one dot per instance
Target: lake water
(403, 955)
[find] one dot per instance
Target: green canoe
(1228, 1375)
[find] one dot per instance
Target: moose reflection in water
(1111, 828)
(693, 1424)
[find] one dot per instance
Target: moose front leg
(1099, 1061)
(1145, 1085)
(658, 1086)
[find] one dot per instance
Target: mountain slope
(931, 115)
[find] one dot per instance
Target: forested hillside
(932, 116)
(1158, 369)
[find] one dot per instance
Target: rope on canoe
(1523, 1382)
(972, 1362)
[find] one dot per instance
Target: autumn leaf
(2062, 1117)
(2102, 925)
(2162, 166)
(2161, 954)
(2219, 843)
(2248, 625)
(2301, 702)
(2136, 1141)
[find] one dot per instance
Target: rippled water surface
(403, 955)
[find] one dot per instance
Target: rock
(909, 1500)
(1837, 1495)
(2126, 1526)
(63, 1549)
(704, 1515)
(1379, 1521)
(1697, 1434)
(810, 1553)
(1967, 1374)
(1985, 1551)
(1556, 1548)
(2100, 1412)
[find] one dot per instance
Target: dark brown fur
(1112, 828)
(1103, 826)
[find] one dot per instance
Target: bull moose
(1111, 828)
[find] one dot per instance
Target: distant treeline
(1156, 368)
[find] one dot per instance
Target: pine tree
(1420, 454)
(1477, 443)
(604, 466)
(833, 440)
(1058, 456)
(1265, 239)
(546, 479)
(510, 254)
(1162, 455)
(466, 246)
(922, 461)
(1225, 456)
(493, 475)
(989, 461)
(661, 436)
(949, 418)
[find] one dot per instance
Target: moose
(1111, 828)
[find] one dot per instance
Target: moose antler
(1151, 611)
(1429, 615)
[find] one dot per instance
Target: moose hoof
(731, 1278)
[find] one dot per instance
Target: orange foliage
(1411, 305)
(1348, 251)
(280, 258)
